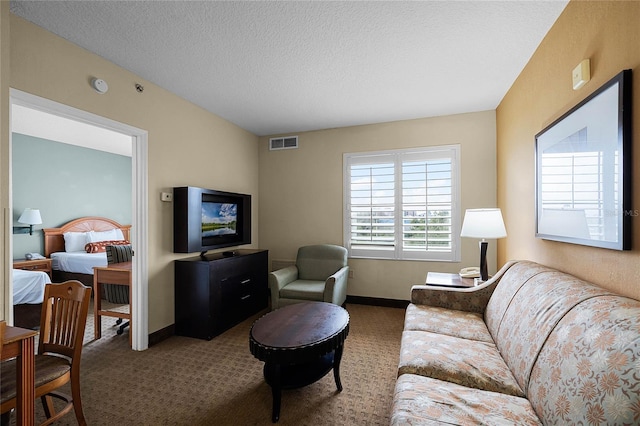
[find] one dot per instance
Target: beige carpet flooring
(185, 381)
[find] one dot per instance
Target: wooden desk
(19, 342)
(448, 280)
(117, 273)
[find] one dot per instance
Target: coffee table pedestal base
(293, 376)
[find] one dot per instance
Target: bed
(65, 247)
(28, 293)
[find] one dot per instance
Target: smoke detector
(99, 85)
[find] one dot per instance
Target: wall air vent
(286, 142)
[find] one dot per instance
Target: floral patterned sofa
(530, 346)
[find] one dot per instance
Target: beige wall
(301, 192)
(607, 33)
(187, 145)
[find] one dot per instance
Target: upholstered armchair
(320, 274)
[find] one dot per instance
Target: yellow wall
(607, 33)
(301, 192)
(187, 145)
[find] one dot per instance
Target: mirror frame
(612, 223)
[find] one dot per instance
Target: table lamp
(484, 224)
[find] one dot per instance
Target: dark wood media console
(214, 292)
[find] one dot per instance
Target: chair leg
(5, 418)
(122, 327)
(47, 404)
(77, 400)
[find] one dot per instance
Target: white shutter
(403, 204)
(427, 196)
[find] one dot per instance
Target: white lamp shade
(30, 217)
(483, 223)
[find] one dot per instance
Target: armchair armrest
(474, 299)
(278, 279)
(282, 277)
(335, 287)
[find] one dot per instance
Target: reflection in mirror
(581, 194)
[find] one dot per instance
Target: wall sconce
(30, 217)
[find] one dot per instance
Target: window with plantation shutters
(403, 204)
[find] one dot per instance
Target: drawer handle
(245, 281)
(245, 297)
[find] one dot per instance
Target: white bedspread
(28, 286)
(79, 262)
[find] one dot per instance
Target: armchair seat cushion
(303, 290)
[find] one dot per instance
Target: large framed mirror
(583, 171)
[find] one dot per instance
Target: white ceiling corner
(283, 67)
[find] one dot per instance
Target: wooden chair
(3, 327)
(118, 293)
(62, 324)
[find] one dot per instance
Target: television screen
(219, 219)
(205, 219)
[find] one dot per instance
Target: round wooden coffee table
(299, 344)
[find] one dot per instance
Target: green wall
(66, 182)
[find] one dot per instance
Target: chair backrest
(64, 316)
(119, 253)
(318, 262)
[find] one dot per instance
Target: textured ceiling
(284, 67)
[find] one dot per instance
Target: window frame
(399, 157)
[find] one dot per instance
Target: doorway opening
(139, 195)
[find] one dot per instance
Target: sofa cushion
(533, 313)
(466, 362)
(426, 401)
(303, 290)
(467, 325)
(588, 371)
(514, 278)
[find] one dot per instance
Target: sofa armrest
(278, 279)
(335, 287)
(473, 299)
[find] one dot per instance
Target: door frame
(139, 204)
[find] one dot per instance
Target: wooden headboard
(54, 237)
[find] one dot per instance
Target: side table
(448, 280)
(43, 265)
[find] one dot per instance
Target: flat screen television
(206, 219)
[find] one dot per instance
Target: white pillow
(110, 235)
(75, 241)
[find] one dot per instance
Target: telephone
(470, 272)
(34, 256)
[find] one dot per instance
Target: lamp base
(484, 272)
